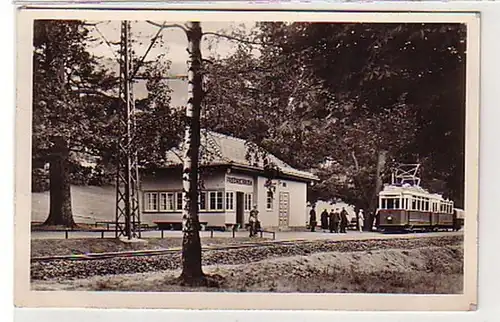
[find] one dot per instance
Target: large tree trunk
(370, 216)
(192, 272)
(60, 191)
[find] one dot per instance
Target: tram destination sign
(241, 181)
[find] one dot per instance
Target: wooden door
(284, 210)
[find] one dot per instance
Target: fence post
(66, 234)
(211, 233)
(162, 234)
(234, 232)
(102, 234)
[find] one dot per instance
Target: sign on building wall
(241, 181)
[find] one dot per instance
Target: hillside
(90, 203)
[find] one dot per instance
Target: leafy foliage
(332, 97)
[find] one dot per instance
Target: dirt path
(419, 270)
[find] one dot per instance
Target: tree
(377, 87)
(192, 272)
(421, 65)
(66, 77)
(76, 105)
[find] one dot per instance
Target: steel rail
(175, 250)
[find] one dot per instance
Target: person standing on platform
(343, 221)
(331, 224)
(312, 219)
(361, 220)
(336, 221)
(324, 220)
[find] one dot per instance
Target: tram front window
(390, 203)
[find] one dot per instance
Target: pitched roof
(221, 149)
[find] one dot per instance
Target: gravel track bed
(70, 269)
(59, 247)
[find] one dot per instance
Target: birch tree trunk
(192, 272)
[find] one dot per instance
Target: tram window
(384, 204)
(413, 204)
(396, 203)
(390, 203)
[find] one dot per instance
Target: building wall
(268, 218)
(239, 182)
(170, 181)
(298, 203)
(227, 182)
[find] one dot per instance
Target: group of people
(334, 221)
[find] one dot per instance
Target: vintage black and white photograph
(256, 155)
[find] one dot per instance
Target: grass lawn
(89, 204)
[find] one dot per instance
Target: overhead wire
(108, 43)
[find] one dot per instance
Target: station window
(202, 200)
(215, 200)
(167, 201)
(151, 203)
(247, 201)
(230, 200)
(179, 201)
(269, 200)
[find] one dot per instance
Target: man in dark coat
(324, 219)
(331, 224)
(312, 219)
(343, 220)
(336, 220)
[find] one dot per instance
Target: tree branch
(153, 41)
(356, 164)
(250, 42)
(95, 92)
(163, 26)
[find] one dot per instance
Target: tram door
(284, 210)
(239, 209)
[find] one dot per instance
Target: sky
(174, 44)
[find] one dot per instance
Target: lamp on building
(228, 170)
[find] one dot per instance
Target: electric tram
(405, 206)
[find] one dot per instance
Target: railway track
(160, 252)
(244, 245)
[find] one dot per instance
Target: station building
(231, 186)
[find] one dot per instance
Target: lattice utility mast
(127, 176)
(406, 174)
